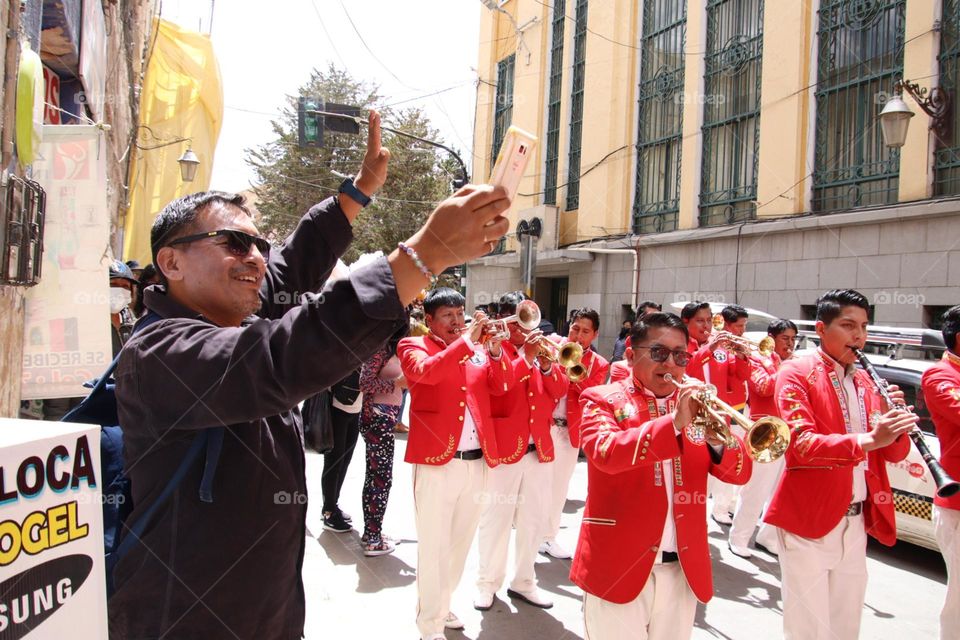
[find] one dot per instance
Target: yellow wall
(784, 181)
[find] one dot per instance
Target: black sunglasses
(660, 354)
(238, 242)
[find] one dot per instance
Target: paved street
(349, 595)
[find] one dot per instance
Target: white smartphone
(515, 152)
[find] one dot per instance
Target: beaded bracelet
(417, 261)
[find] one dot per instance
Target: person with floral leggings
(382, 384)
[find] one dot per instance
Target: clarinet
(946, 486)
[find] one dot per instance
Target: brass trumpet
(767, 438)
(567, 355)
(745, 346)
(527, 316)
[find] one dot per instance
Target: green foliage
(292, 179)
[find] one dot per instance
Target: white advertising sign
(52, 582)
(67, 325)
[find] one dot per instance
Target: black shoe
(346, 516)
(333, 521)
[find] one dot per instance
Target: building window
(947, 162)
(553, 104)
(731, 111)
(503, 109)
(860, 55)
(576, 105)
(659, 130)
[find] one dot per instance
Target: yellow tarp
(182, 98)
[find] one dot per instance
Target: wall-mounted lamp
(895, 116)
(189, 162)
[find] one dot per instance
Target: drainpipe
(635, 251)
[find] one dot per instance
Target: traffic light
(311, 123)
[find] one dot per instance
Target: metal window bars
(552, 150)
(860, 56)
(731, 111)
(947, 156)
(576, 106)
(503, 109)
(659, 137)
(22, 219)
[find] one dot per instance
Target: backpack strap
(134, 532)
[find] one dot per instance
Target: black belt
(471, 454)
(669, 556)
(855, 509)
(560, 422)
(531, 448)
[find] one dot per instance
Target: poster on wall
(67, 322)
(52, 581)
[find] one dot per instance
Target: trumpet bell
(576, 372)
(569, 354)
(718, 322)
(768, 439)
(766, 346)
(528, 315)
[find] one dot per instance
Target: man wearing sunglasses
(642, 558)
(244, 334)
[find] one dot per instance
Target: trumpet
(527, 316)
(567, 355)
(767, 438)
(745, 346)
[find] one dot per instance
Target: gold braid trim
(513, 457)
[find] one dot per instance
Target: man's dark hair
(589, 314)
(691, 308)
(654, 320)
(508, 303)
(777, 327)
(179, 217)
(647, 304)
(951, 327)
(733, 312)
(442, 297)
(830, 304)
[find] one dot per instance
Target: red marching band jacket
(526, 409)
(817, 484)
(941, 392)
(724, 370)
(762, 384)
(444, 381)
(626, 507)
(597, 370)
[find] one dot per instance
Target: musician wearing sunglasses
(642, 558)
(453, 372)
(834, 490)
(941, 391)
(716, 364)
(761, 402)
(519, 488)
(240, 335)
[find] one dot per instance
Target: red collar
(952, 358)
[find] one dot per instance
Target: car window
(910, 383)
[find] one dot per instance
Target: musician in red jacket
(451, 445)
(941, 391)
(519, 488)
(715, 364)
(762, 402)
(835, 490)
(642, 557)
(699, 320)
(584, 328)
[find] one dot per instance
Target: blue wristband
(351, 190)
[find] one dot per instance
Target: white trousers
(664, 610)
(516, 494)
(448, 500)
(824, 582)
(946, 526)
(564, 464)
(724, 494)
(753, 496)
